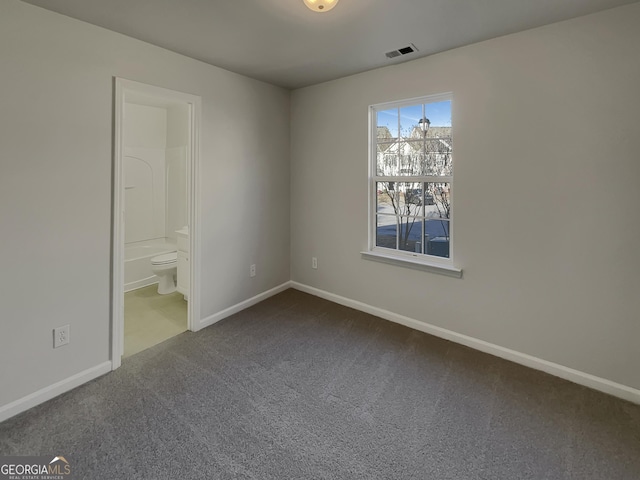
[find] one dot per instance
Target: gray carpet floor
(300, 388)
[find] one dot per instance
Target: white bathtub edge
(145, 282)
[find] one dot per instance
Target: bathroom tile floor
(151, 318)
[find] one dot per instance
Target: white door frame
(125, 89)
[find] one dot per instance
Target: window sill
(415, 263)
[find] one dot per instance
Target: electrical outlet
(60, 336)
(252, 270)
(314, 262)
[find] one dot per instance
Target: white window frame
(420, 261)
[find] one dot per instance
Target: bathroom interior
(156, 234)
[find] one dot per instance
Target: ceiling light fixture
(320, 5)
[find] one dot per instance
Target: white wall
(56, 127)
(145, 126)
(546, 151)
(176, 201)
(176, 157)
(177, 126)
(145, 172)
(155, 171)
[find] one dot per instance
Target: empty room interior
(320, 239)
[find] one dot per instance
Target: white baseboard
(570, 374)
(227, 312)
(47, 393)
(597, 383)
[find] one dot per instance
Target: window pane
(410, 199)
(399, 203)
(438, 146)
(437, 200)
(399, 198)
(438, 113)
(437, 237)
(438, 158)
(428, 156)
(386, 235)
(387, 159)
(409, 234)
(411, 155)
(410, 121)
(388, 197)
(387, 125)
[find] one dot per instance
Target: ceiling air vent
(402, 51)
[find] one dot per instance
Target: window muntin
(412, 178)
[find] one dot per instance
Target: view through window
(412, 177)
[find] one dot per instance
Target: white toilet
(165, 267)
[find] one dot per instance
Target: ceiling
(284, 43)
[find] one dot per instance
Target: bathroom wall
(144, 198)
(145, 126)
(155, 171)
(144, 168)
(177, 169)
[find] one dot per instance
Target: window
(411, 180)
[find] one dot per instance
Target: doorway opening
(155, 275)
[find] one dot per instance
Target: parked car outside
(415, 197)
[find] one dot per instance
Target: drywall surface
(155, 171)
(56, 154)
(177, 126)
(144, 169)
(146, 126)
(546, 153)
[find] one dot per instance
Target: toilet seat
(165, 267)
(165, 259)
